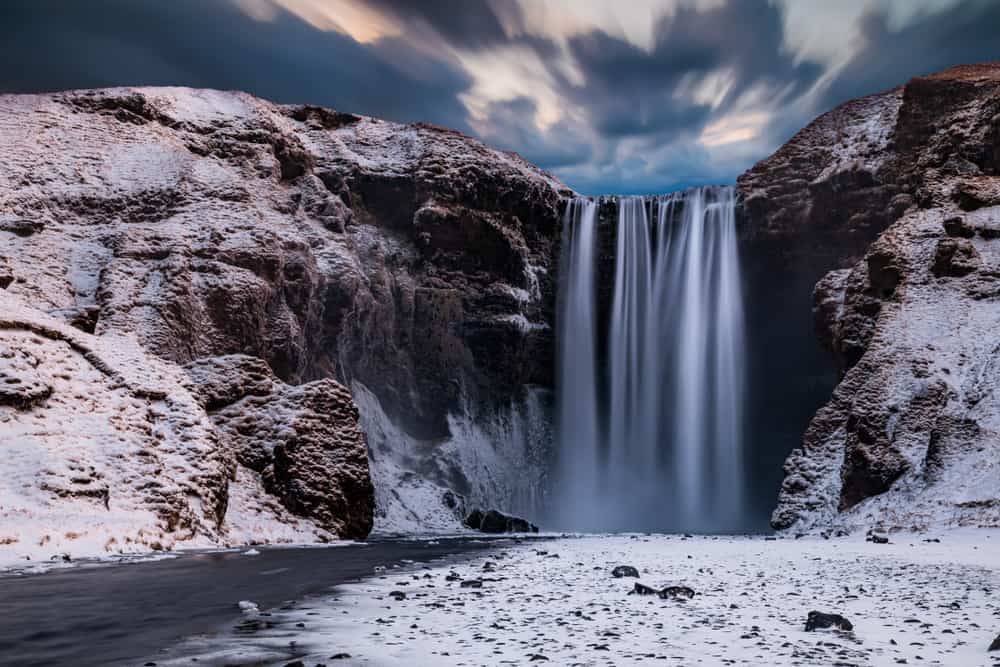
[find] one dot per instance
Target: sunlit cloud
(611, 95)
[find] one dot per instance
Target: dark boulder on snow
(676, 592)
(817, 620)
(498, 522)
(474, 520)
(624, 571)
(995, 646)
(642, 589)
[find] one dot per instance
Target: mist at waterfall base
(651, 387)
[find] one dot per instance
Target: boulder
(624, 571)
(818, 620)
(495, 522)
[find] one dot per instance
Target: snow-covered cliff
(911, 436)
(217, 270)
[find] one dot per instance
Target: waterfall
(577, 418)
(650, 429)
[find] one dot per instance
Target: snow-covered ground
(915, 600)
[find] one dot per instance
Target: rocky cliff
(258, 260)
(898, 194)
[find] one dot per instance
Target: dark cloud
(469, 23)
(968, 32)
(630, 91)
(511, 126)
(50, 45)
(633, 124)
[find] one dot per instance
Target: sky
(619, 96)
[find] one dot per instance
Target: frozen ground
(911, 601)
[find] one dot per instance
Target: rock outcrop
(407, 262)
(107, 450)
(304, 441)
(899, 194)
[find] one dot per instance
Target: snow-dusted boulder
(304, 441)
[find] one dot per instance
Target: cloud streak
(640, 96)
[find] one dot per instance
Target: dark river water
(123, 614)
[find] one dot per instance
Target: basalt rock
(895, 193)
(642, 589)
(676, 592)
(493, 521)
(817, 620)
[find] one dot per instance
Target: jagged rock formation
(106, 449)
(910, 436)
(407, 262)
(304, 441)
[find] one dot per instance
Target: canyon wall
(278, 267)
(897, 195)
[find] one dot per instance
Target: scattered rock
(642, 589)
(995, 646)
(624, 571)
(819, 621)
(673, 592)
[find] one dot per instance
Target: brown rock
(955, 258)
(304, 440)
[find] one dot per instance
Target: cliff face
(409, 263)
(910, 436)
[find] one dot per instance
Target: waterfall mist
(650, 429)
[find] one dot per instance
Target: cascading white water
(650, 433)
(577, 422)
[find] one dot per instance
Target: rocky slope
(259, 259)
(910, 179)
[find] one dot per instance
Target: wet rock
(496, 522)
(474, 520)
(624, 571)
(820, 621)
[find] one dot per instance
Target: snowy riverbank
(915, 599)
